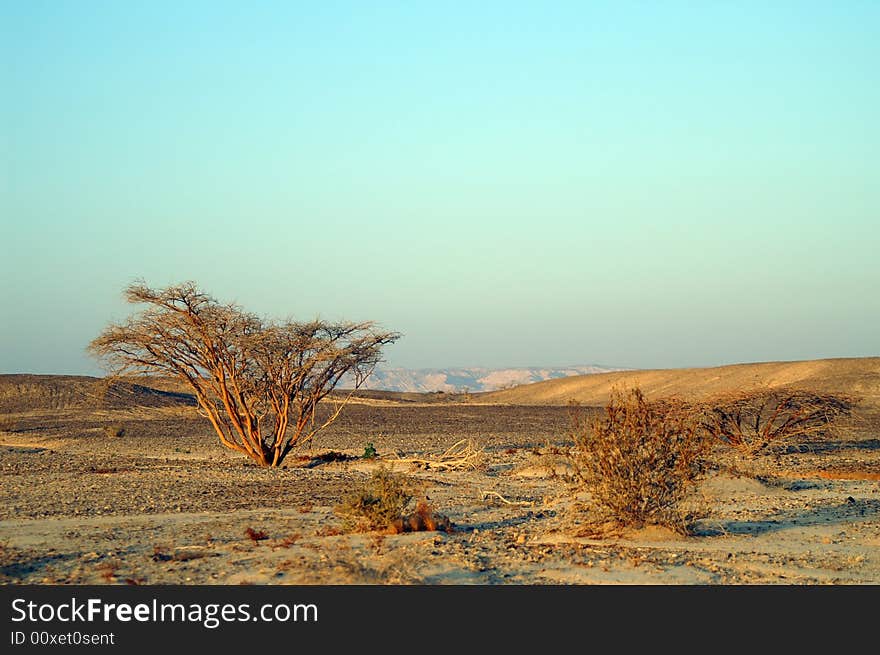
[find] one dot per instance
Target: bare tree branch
(751, 421)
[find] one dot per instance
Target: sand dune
(857, 376)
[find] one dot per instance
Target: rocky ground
(164, 503)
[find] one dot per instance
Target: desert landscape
(126, 484)
(510, 294)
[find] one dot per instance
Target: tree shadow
(819, 447)
(830, 514)
(509, 522)
(22, 565)
(24, 450)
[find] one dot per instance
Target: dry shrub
(463, 455)
(378, 502)
(379, 505)
(639, 459)
(290, 540)
(752, 421)
(423, 519)
(256, 535)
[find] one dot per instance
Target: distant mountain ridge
(456, 380)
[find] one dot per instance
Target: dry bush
(463, 455)
(752, 421)
(378, 502)
(639, 459)
(423, 519)
(256, 535)
(290, 540)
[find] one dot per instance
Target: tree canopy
(259, 382)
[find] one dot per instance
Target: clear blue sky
(645, 184)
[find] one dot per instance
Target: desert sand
(164, 503)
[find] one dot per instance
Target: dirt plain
(165, 503)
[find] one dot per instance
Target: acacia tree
(258, 382)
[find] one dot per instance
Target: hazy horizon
(425, 369)
(509, 185)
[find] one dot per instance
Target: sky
(633, 184)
